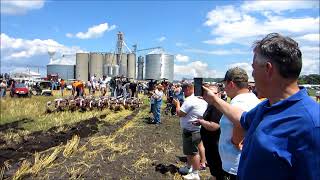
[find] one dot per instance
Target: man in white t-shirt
(230, 142)
(94, 83)
(191, 110)
(103, 85)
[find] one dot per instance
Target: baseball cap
(236, 74)
(185, 85)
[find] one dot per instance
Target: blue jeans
(3, 92)
(156, 111)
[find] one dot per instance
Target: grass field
(85, 145)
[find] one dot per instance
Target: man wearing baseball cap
(230, 142)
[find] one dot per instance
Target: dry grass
(75, 172)
(22, 171)
(42, 121)
(166, 147)
(33, 109)
(43, 162)
(40, 163)
(142, 163)
(2, 172)
(71, 146)
(91, 155)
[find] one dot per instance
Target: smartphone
(196, 123)
(198, 91)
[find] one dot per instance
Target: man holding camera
(191, 110)
(283, 131)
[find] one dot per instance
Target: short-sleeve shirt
(230, 155)
(282, 140)
(194, 109)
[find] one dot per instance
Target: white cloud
(180, 44)
(310, 37)
(193, 69)
(218, 52)
(18, 7)
(162, 38)
(230, 24)
(222, 14)
(182, 58)
(310, 60)
(93, 32)
(21, 50)
(69, 35)
(278, 6)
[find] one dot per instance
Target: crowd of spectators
(271, 131)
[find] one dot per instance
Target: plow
(89, 103)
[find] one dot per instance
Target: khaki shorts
(191, 140)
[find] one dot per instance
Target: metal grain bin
(131, 66)
(153, 66)
(105, 69)
(63, 71)
(159, 66)
(82, 66)
(96, 64)
(115, 70)
(140, 67)
(123, 64)
(167, 66)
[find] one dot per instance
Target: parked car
(42, 88)
(20, 90)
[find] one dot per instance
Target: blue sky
(206, 37)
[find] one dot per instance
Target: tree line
(309, 79)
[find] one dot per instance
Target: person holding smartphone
(210, 133)
(191, 110)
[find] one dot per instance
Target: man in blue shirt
(282, 134)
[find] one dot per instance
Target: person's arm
(210, 126)
(231, 112)
(178, 111)
(237, 137)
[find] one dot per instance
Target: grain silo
(140, 67)
(167, 66)
(159, 66)
(131, 66)
(123, 64)
(63, 71)
(96, 64)
(82, 66)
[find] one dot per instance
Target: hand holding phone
(198, 91)
(196, 123)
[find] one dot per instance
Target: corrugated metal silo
(140, 67)
(63, 71)
(159, 66)
(96, 64)
(123, 64)
(132, 65)
(82, 66)
(167, 67)
(107, 59)
(153, 66)
(113, 59)
(115, 70)
(105, 69)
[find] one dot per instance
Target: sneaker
(192, 176)
(185, 170)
